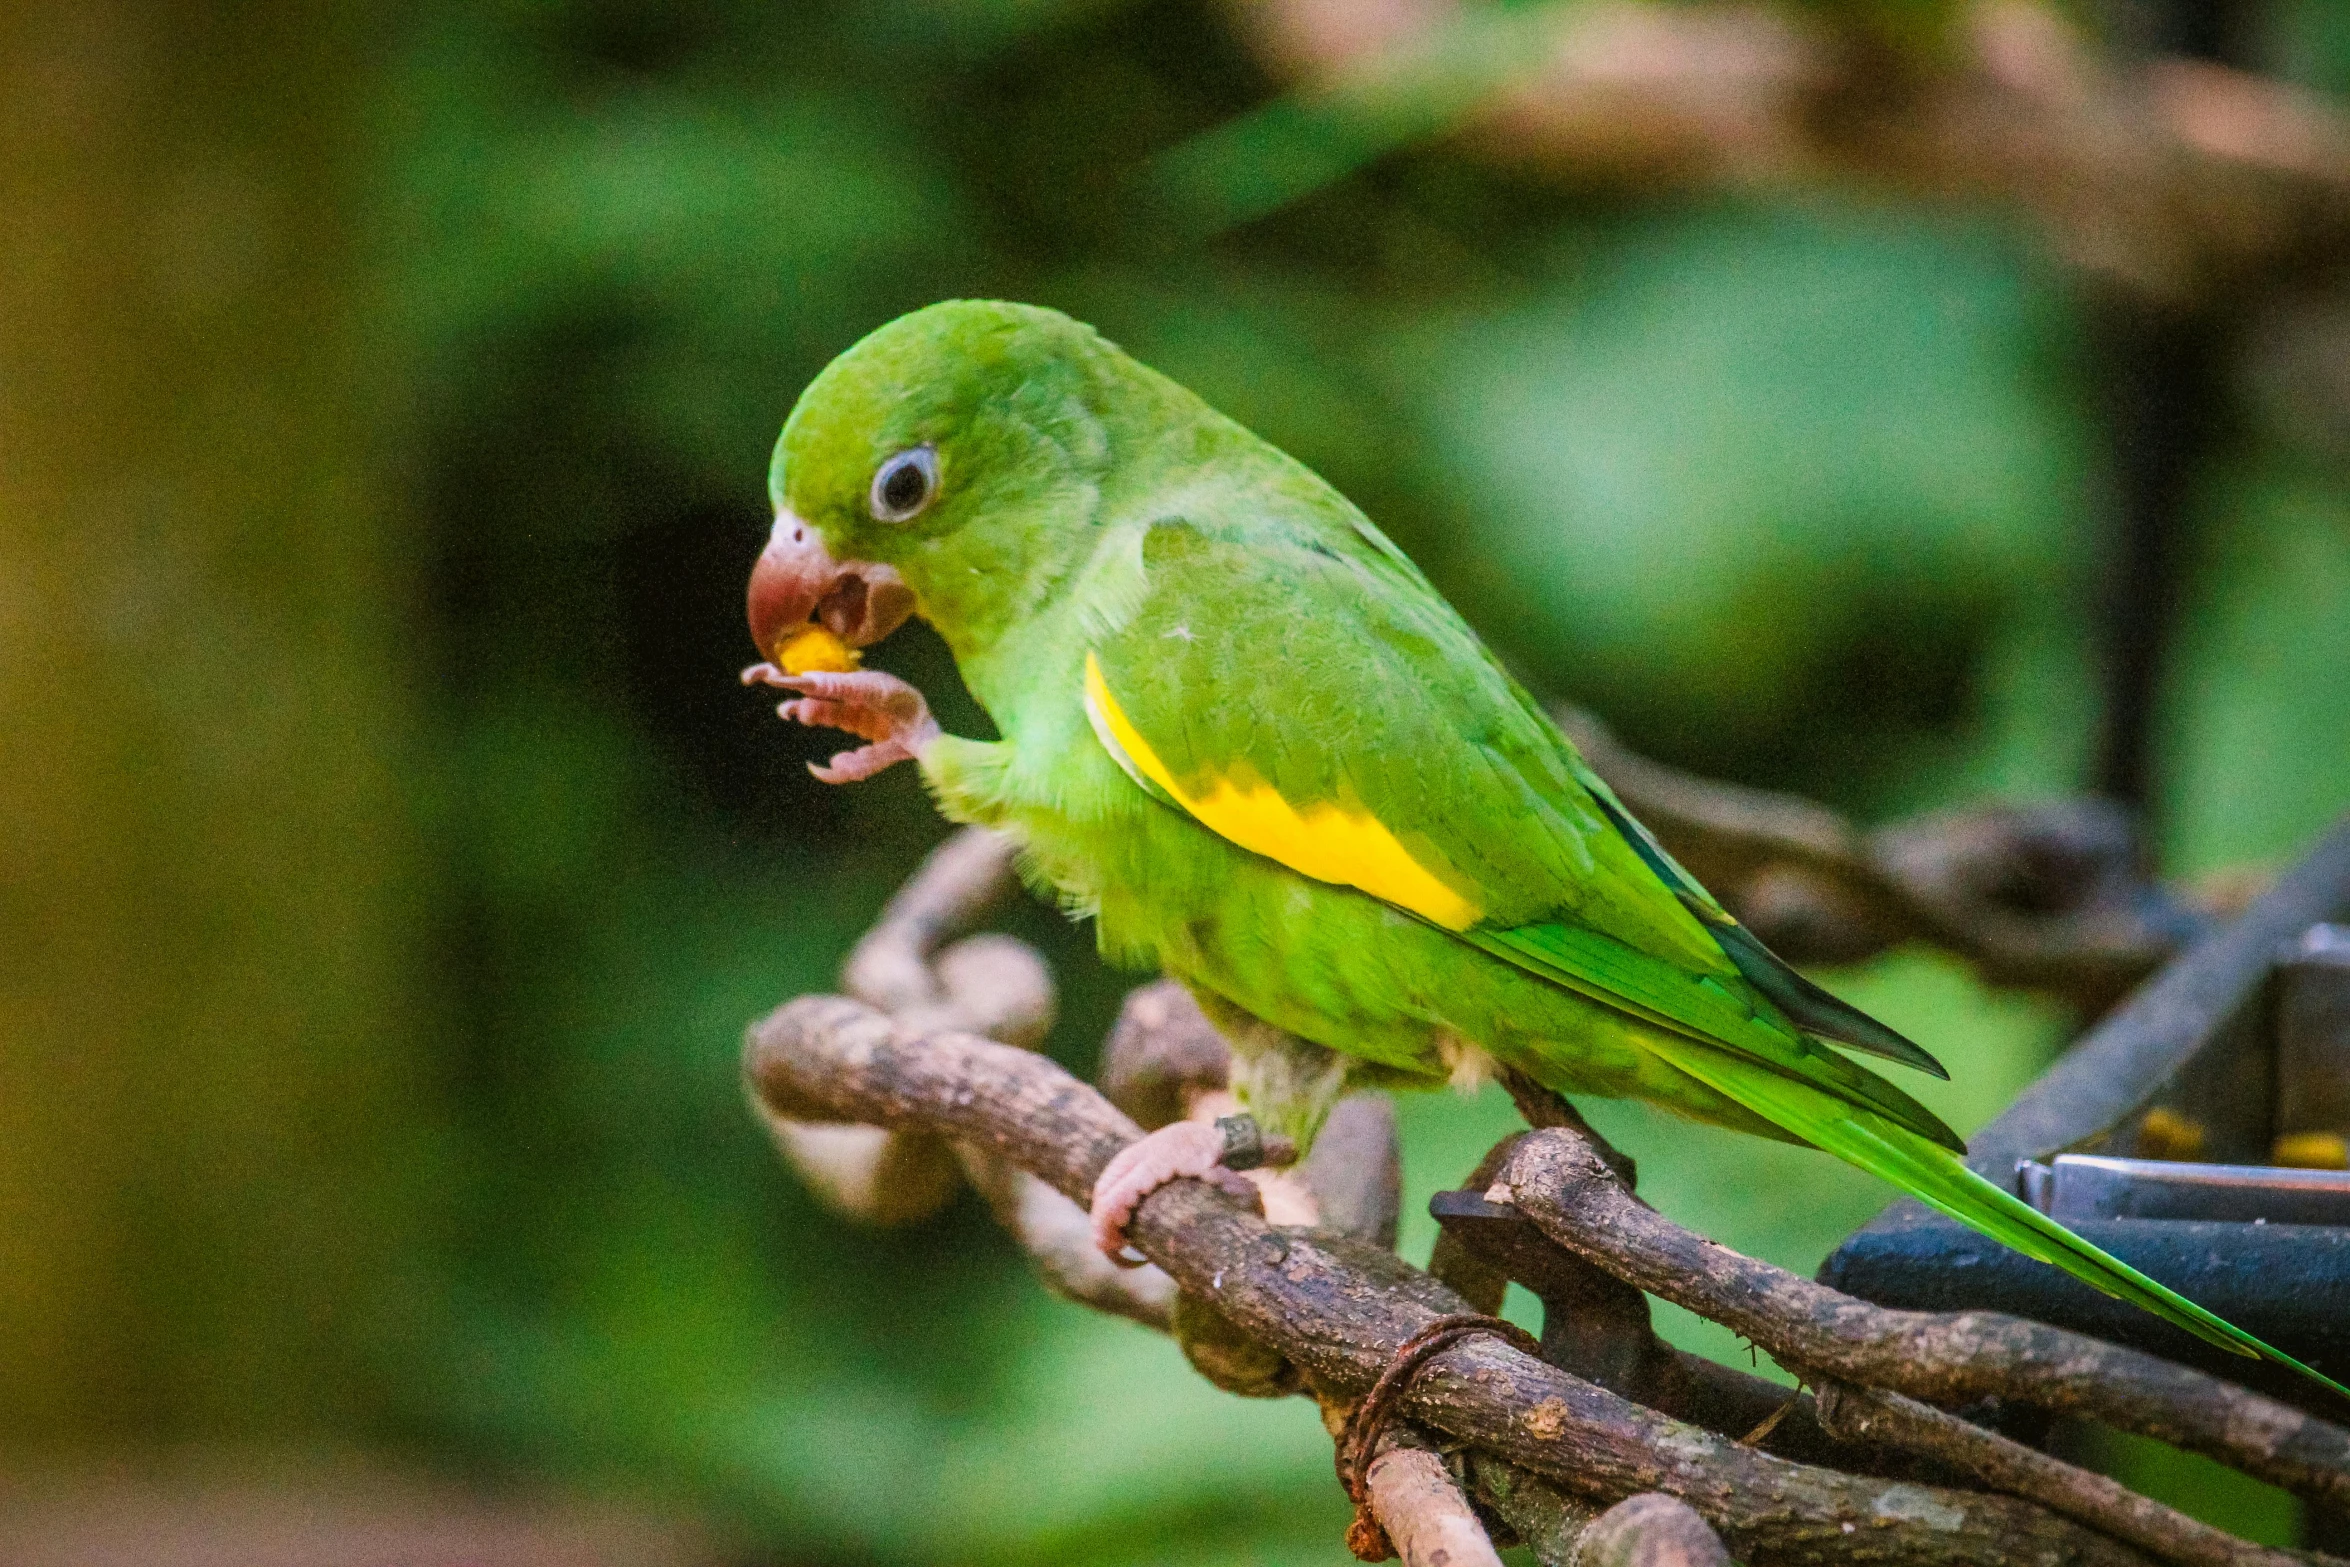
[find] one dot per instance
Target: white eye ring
(904, 485)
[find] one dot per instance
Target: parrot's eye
(904, 485)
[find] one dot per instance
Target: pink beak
(795, 578)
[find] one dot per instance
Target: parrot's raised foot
(869, 704)
(1211, 1151)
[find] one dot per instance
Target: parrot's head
(947, 465)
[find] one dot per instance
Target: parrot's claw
(1186, 1148)
(867, 703)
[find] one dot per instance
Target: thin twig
(1870, 1415)
(1419, 1506)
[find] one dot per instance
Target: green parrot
(1244, 734)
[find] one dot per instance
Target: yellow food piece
(2166, 1134)
(2312, 1151)
(810, 649)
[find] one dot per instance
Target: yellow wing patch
(1326, 841)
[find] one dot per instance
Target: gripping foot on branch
(1213, 1151)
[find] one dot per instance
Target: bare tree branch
(1865, 1414)
(1598, 1327)
(881, 1110)
(870, 1172)
(1057, 1234)
(1557, 1179)
(2172, 180)
(890, 967)
(1417, 1502)
(1338, 1310)
(1547, 1518)
(1162, 1052)
(2044, 896)
(989, 984)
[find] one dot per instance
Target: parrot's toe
(1186, 1148)
(867, 703)
(863, 762)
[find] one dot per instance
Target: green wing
(1302, 658)
(1294, 683)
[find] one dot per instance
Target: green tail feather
(1936, 1177)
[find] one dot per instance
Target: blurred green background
(389, 861)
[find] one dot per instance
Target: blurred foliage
(1794, 491)
(219, 1133)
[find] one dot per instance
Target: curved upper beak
(795, 579)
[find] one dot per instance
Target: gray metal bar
(2089, 1186)
(2313, 1032)
(2103, 1081)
